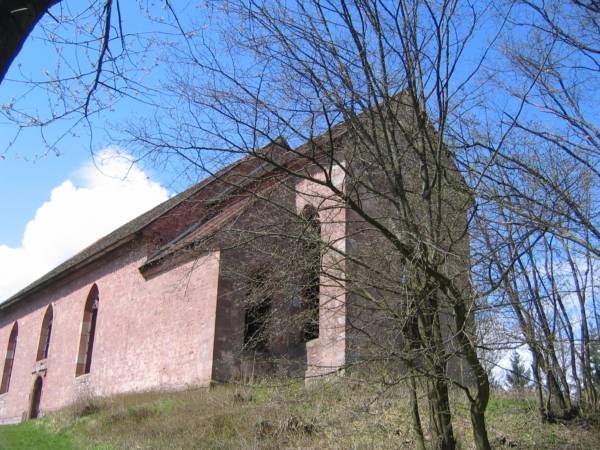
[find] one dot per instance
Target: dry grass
(343, 413)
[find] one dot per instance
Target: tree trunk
(416, 417)
(440, 415)
(538, 384)
(478, 404)
(436, 360)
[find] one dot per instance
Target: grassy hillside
(342, 414)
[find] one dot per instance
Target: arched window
(88, 331)
(10, 357)
(36, 398)
(44, 344)
(311, 271)
(257, 313)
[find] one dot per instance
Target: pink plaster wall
(159, 332)
(327, 353)
(151, 334)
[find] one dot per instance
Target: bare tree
(102, 53)
(533, 272)
(376, 81)
(404, 102)
(558, 47)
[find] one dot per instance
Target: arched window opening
(44, 344)
(36, 398)
(10, 357)
(88, 331)
(311, 283)
(257, 314)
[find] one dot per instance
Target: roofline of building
(163, 253)
(30, 289)
(105, 245)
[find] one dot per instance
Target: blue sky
(55, 202)
(30, 172)
(27, 171)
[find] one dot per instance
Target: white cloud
(103, 196)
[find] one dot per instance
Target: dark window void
(257, 314)
(10, 357)
(88, 332)
(36, 398)
(311, 272)
(45, 333)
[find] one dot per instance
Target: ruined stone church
(244, 273)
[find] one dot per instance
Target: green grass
(343, 413)
(33, 435)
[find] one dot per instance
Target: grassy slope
(328, 415)
(33, 435)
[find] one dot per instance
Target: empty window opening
(311, 282)
(10, 357)
(45, 333)
(88, 332)
(257, 314)
(36, 398)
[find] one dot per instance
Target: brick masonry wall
(248, 248)
(159, 332)
(327, 353)
(150, 334)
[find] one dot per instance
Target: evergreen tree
(518, 377)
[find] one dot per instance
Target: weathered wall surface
(264, 238)
(155, 333)
(327, 353)
(378, 317)
(182, 324)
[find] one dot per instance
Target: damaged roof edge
(182, 243)
(127, 232)
(118, 237)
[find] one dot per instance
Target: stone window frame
(88, 332)
(45, 334)
(9, 358)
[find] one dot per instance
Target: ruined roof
(188, 241)
(128, 232)
(195, 235)
(120, 236)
